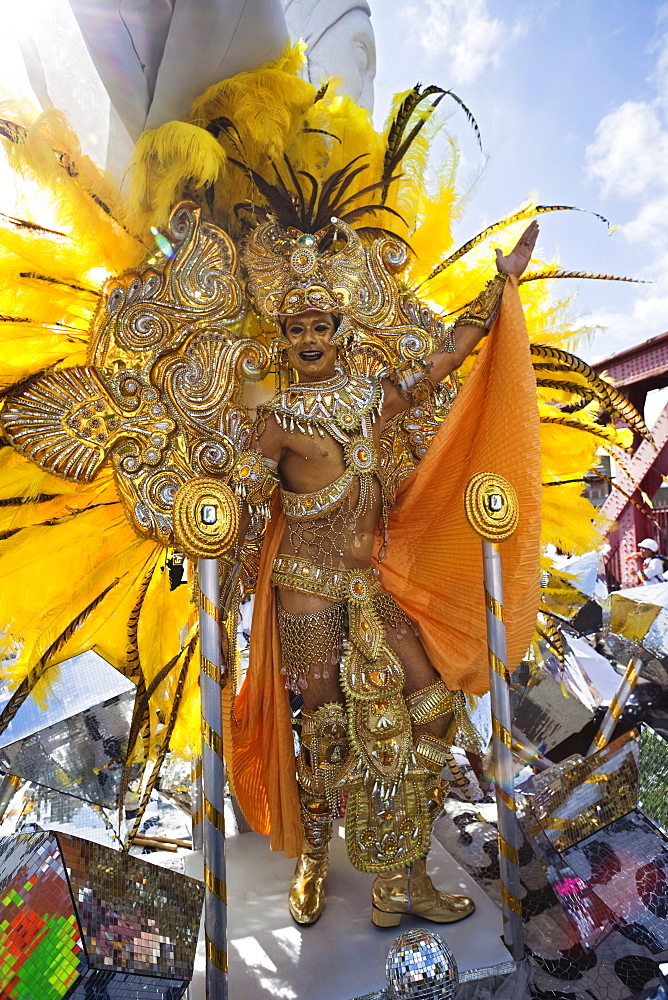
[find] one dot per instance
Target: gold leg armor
(387, 821)
(393, 794)
(410, 889)
(322, 759)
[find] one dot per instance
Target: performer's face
(311, 353)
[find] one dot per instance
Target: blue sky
(572, 102)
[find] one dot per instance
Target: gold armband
(482, 311)
(254, 481)
(429, 703)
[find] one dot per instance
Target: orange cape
(433, 569)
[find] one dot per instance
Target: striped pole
(196, 799)
(491, 507)
(213, 781)
(611, 717)
(206, 525)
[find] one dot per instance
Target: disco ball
(421, 966)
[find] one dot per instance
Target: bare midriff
(343, 537)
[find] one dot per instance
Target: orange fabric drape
(434, 558)
(263, 754)
(433, 568)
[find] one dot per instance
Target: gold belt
(300, 574)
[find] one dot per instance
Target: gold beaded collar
(344, 403)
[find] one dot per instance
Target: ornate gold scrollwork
(159, 398)
(70, 422)
(142, 314)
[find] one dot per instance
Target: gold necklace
(341, 405)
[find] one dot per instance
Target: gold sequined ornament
(491, 506)
(206, 518)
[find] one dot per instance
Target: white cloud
(649, 225)
(660, 76)
(472, 39)
(628, 155)
(628, 159)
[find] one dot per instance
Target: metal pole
(196, 799)
(624, 692)
(213, 781)
(492, 511)
(504, 776)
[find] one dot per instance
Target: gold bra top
(361, 461)
(311, 505)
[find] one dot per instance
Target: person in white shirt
(650, 566)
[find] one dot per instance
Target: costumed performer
(377, 718)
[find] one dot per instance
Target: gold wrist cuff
(429, 703)
(482, 311)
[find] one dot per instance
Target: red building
(636, 372)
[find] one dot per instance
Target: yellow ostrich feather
(58, 256)
(86, 202)
(434, 229)
(355, 137)
(46, 301)
(40, 565)
(163, 163)
(27, 348)
(267, 105)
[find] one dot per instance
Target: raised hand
(516, 261)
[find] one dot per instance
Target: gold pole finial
(491, 506)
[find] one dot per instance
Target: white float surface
(343, 955)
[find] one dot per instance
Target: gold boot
(324, 748)
(306, 899)
(411, 891)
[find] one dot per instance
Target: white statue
(117, 67)
(340, 43)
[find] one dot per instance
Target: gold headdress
(290, 271)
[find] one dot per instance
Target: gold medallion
(491, 506)
(206, 518)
